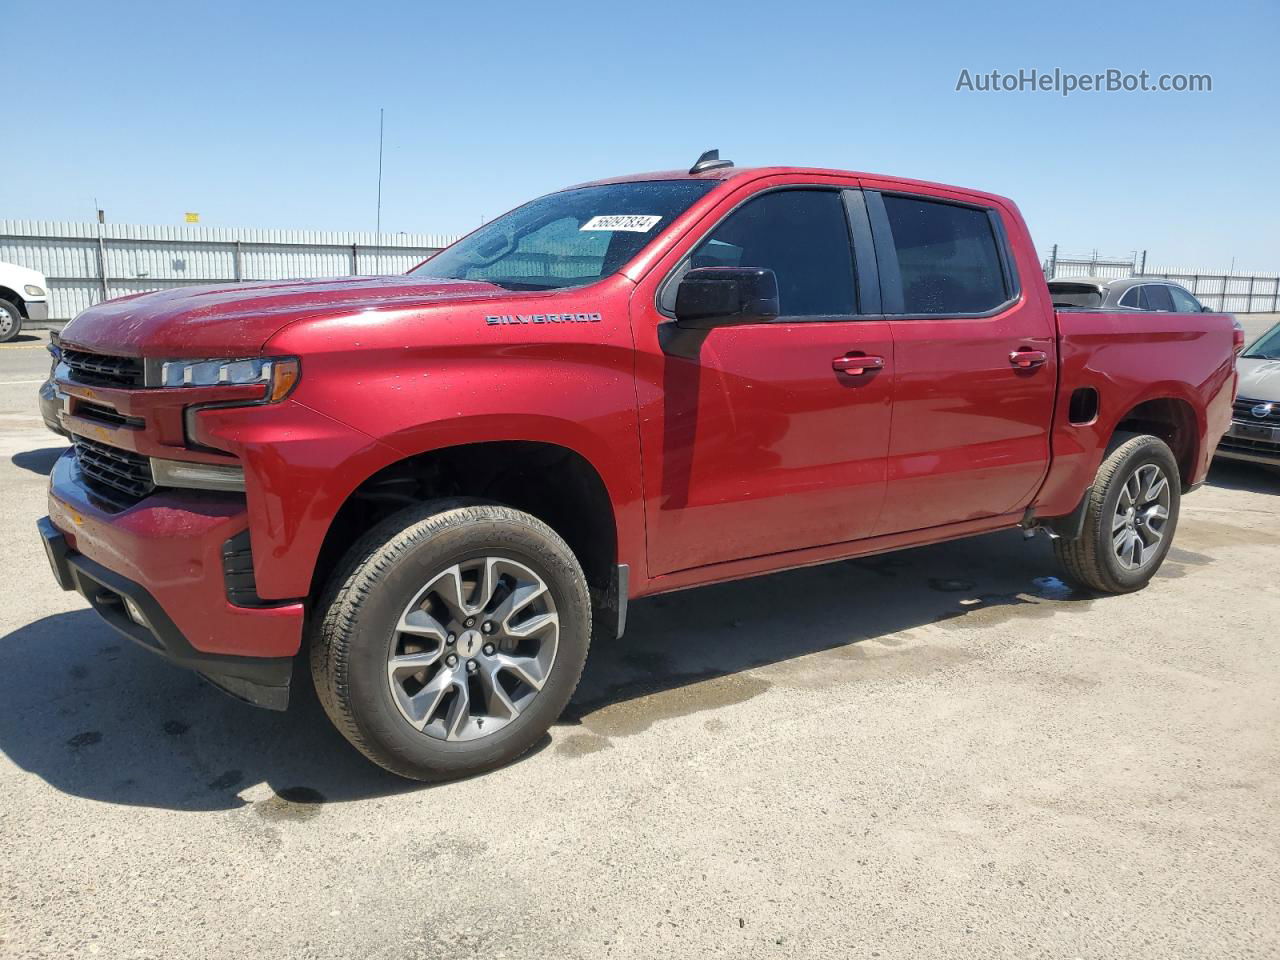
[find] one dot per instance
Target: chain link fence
(1224, 292)
(86, 263)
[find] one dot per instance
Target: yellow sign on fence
(193, 217)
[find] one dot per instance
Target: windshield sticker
(631, 222)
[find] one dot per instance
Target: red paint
(781, 445)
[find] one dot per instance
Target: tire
(1105, 557)
(401, 597)
(10, 321)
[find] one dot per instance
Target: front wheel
(451, 639)
(10, 321)
(1130, 519)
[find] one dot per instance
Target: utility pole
(377, 230)
(102, 249)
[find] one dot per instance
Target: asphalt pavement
(942, 752)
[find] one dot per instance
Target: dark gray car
(1255, 420)
(1128, 293)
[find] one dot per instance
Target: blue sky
(266, 114)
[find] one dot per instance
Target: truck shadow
(97, 717)
(38, 461)
(1249, 477)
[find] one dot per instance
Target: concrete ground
(941, 752)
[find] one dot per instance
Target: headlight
(277, 374)
(33, 290)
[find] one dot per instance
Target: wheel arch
(555, 483)
(15, 298)
(1172, 418)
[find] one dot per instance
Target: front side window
(567, 239)
(1184, 302)
(947, 256)
(802, 236)
(1155, 296)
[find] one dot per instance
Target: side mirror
(1205, 308)
(710, 297)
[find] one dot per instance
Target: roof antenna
(710, 161)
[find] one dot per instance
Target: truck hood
(1259, 379)
(236, 320)
(12, 275)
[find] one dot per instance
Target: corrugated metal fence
(89, 262)
(1226, 292)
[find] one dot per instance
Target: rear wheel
(10, 321)
(1130, 519)
(452, 639)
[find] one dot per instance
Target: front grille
(1242, 410)
(1249, 445)
(102, 370)
(114, 471)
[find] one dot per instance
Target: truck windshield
(569, 238)
(1266, 347)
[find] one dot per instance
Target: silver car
(1255, 422)
(1128, 293)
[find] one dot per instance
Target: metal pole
(239, 259)
(1143, 270)
(377, 233)
(1053, 262)
(355, 260)
(102, 258)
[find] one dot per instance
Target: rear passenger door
(974, 362)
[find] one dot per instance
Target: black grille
(1243, 411)
(101, 414)
(1249, 445)
(114, 471)
(101, 370)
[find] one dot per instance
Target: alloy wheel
(1142, 511)
(473, 648)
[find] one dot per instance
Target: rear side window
(1155, 296)
(1184, 302)
(1132, 298)
(948, 257)
(802, 236)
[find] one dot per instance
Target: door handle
(1026, 359)
(856, 366)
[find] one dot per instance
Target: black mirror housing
(710, 297)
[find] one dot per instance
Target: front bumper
(50, 407)
(165, 554)
(1254, 443)
(37, 309)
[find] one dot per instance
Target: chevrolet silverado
(439, 488)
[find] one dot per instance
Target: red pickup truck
(442, 486)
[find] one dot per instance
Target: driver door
(762, 441)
